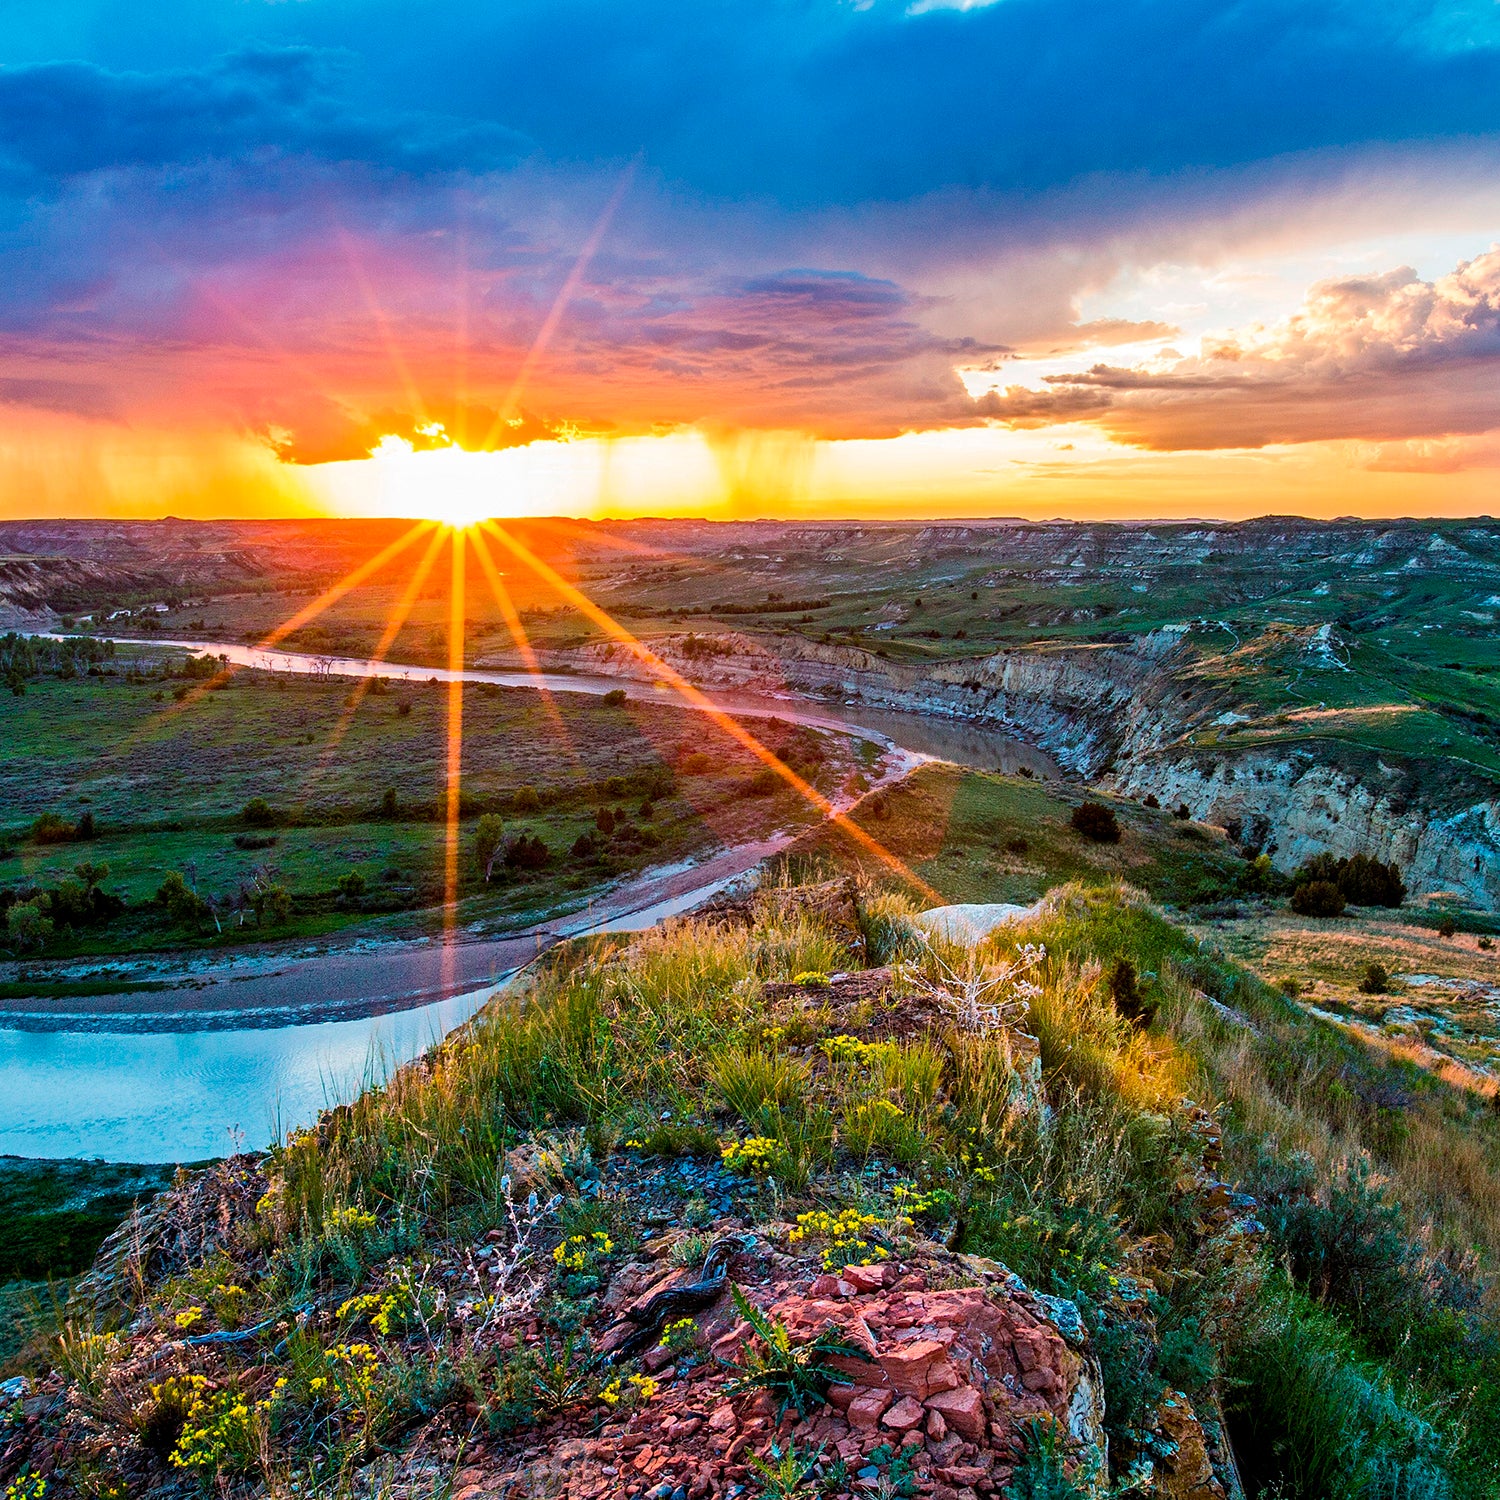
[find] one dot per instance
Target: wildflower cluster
(636, 1389)
(912, 1202)
(189, 1317)
(351, 1221)
(680, 1336)
(579, 1252)
(379, 1307)
(759, 1154)
(228, 1299)
(219, 1431)
(845, 1232)
(849, 1049)
(811, 976)
(972, 1163)
(353, 1368)
(26, 1487)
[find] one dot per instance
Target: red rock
(866, 1409)
(962, 1474)
(919, 1368)
(839, 1396)
(937, 1428)
(866, 1278)
(962, 1410)
(824, 1286)
(904, 1415)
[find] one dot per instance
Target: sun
(447, 484)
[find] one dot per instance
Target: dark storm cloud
(61, 120)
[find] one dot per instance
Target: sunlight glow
(669, 677)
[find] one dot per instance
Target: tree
(26, 926)
(270, 901)
(1096, 823)
(489, 842)
(184, 905)
(388, 805)
(1375, 980)
(84, 830)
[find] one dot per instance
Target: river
(141, 1079)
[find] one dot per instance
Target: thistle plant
(797, 1373)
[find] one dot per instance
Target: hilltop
(794, 1198)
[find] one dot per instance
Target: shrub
(1362, 881)
(84, 830)
(1125, 993)
(258, 813)
(525, 799)
(1318, 898)
(1096, 823)
(51, 829)
(1150, 800)
(389, 808)
(27, 927)
(1368, 882)
(1447, 927)
(273, 902)
(184, 906)
(1183, 811)
(1375, 980)
(615, 697)
(1343, 1241)
(527, 852)
(351, 886)
(403, 710)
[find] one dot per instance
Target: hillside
(787, 1199)
(1311, 686)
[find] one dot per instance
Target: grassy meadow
(338, 799)
(982, 836)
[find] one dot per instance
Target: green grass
(166, 783)
(982, 836)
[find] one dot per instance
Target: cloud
(287, 218)
(62, 120)
(1387, 357)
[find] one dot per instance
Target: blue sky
(279, 221)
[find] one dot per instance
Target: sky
(754, 257)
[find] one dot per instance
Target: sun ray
(518, 634)
(329, 597)
(453, 788)
(394, 622)
(558, 308)
(731, 726)
(387, 337)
